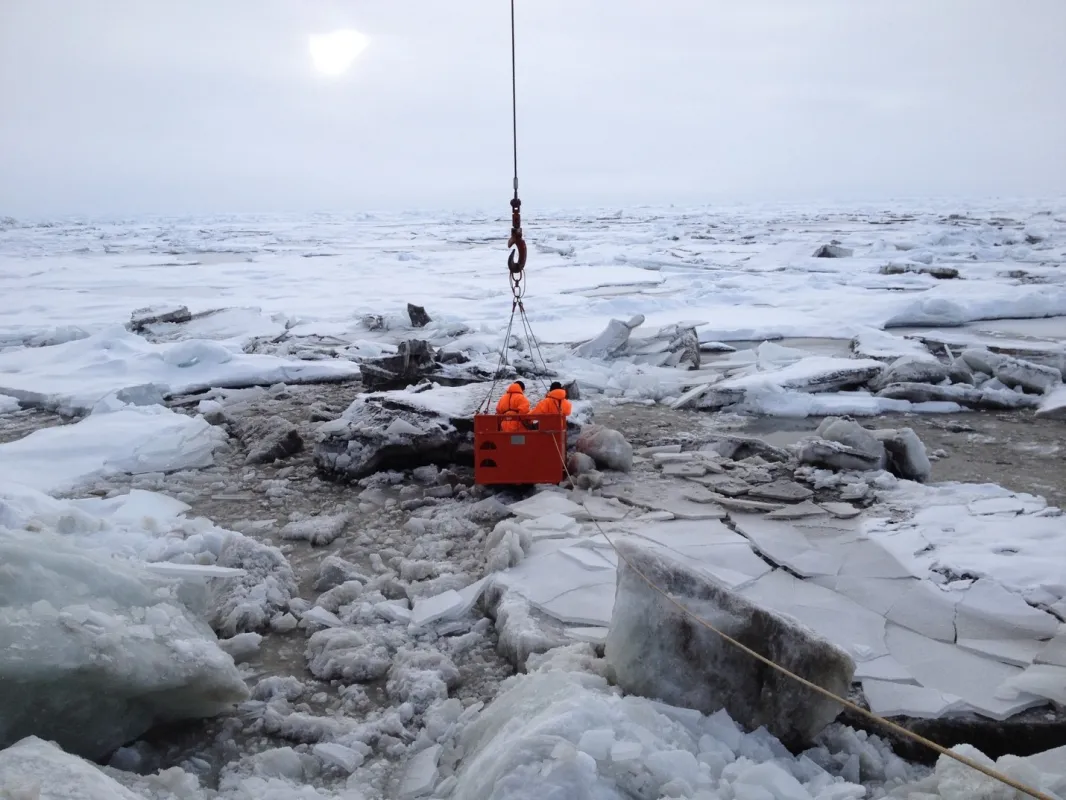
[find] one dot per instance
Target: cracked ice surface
(924, 646)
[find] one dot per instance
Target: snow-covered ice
(132, 440)
(73, 377)
(933, 583)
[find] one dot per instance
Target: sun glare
(333, 53)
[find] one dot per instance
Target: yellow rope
(869, 715)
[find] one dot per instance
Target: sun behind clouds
(333, 53)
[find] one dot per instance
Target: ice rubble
(98, 653)
(73, 377)
(8, 404)
(873, 587)
(133, 440)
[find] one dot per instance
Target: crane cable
(516, 259)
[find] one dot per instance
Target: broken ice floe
(856, 588)
(73, 377)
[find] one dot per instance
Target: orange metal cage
(531, 454)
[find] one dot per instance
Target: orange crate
(519, 457)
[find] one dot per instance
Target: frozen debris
(907, 458)
(34, 769)
(841, 510)
(269, 439)
(670, 346)
(317, 615)
(657, 651)
(489, 511)
(99, 651)
(522, 631)
(340, 596)
(833, 251)
(415, 361)
(242, 647)
(543, 504)
(938, 272)
(798, 511)
(421, 774)
(886, 346)
(836, 456)
(334, 570)
(1012, 372)
(782, 491)
(399, 430)
(911, 369)
(739, 448)
(155, 315)
(967, 396)
(612, 341)
(418, 316)
(952, 780)
(421, 678)
(813, 374)
(339, 756)
(579, 463)
(347, 655)
(319, 530)
(1054, 405)
(433, 609)
(606, 446)
(394, 611)
(248, 602)
(960, 372)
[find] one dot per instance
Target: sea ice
(132, 440)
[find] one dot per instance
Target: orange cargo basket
(532, 454)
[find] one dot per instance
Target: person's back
(513, 402)
(554, 402)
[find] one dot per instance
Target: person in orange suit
(513, 402)
(554, 401)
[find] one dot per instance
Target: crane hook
(516, 259)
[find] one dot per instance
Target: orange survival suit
(513, 402)
(554, 402)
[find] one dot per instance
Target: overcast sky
(178, 106)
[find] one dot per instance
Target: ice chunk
(772, 779)
(321, 616)
(625, 751)
(432, 609)
(1054, 404)
(337, 755)
(597, 743)
(242, 647)
(545, 503)
(607, 447)
(75, 375)
(394, 611)
(894, 699)
(33, 769)
(1019, 652)
(317, 530)
(133, 440)
(100, 652)
(421, 773)
(585, 605)
(192, 571)
(657, 651)
(988, 611)
(1042, 680)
